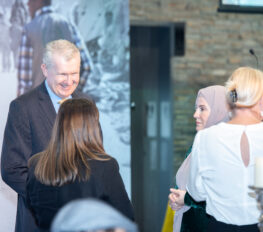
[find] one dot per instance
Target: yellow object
(62, 100)
(168, 220)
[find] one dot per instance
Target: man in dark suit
(31, 117)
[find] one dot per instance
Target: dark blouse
(195, 219)
(105, 183)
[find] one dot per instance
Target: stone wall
(215, 44)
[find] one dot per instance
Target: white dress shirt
(219, 176)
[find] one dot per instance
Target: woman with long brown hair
(74, 165)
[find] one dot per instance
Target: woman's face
(202, 112)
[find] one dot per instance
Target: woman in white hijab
(211, 108)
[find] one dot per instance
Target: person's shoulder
(112, 161)
(110, 167)
(256, 127)
(47, 12)
(112, 164)
(106, 161)
(212, 129)
(210, 133)
(103, 167)
(104, 158)
(52, 14)
(79, 94)
(30, 96)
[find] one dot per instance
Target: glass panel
(243, 2)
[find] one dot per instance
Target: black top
(195, 219)
(105, 183)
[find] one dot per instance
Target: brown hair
(76, 138)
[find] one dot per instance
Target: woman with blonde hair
(223, 157)
(74, 165)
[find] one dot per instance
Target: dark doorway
(151, 123)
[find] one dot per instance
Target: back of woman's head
(76, 139)
(77, 126)
(244, 87)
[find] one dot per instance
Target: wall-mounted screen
(241, 6)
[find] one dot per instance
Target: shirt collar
(54, 98)
(43, 10)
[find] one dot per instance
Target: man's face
(63, 76)
(33, 6)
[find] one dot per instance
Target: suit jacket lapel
(76, 94)
(46, 105)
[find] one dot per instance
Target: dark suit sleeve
(16, 149)
(115, 192)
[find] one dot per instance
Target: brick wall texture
(215, 44)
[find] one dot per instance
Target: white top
(219, 176)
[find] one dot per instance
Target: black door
(151, 123)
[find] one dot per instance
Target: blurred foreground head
(91, 215)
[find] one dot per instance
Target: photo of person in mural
(46, 25)
(104, 25)
(4, 44)
(18, 18)
(99, 28)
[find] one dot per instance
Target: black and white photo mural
(13, 16)
(103, 27)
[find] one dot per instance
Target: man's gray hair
(62, 47)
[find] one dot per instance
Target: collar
(54, 98)
(43, 10)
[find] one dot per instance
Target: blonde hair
(244, 88)
(61, 47)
